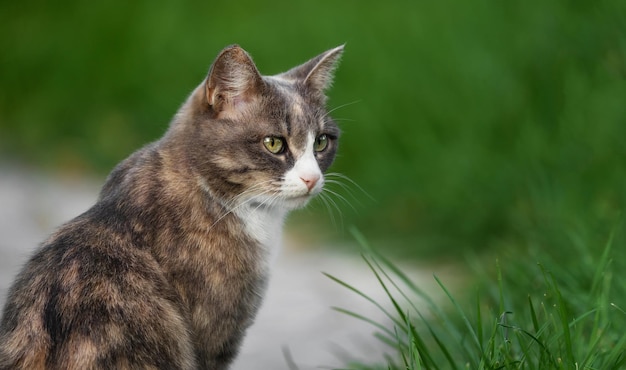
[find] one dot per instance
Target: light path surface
(296, 315)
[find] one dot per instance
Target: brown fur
(162, 273)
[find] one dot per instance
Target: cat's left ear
(317, 74)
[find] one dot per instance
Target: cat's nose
(310, 181)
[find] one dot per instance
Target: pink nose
(310, 181)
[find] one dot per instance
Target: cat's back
(86, 296)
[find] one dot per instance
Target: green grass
(543, 311)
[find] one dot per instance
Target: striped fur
(168, 268)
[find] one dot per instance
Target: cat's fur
(168, 268)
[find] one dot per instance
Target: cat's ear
(317, 74)
(233, 81)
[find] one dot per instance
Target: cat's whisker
(344, 187)
(241, 204)
(341, 106)
(343, 119)
(226, 214)
(267, 202)
(252, 194)
(248, 192)
(330, 205)
(322, 198)
(340, 197)
(339, 176)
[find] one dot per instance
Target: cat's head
(264, 140)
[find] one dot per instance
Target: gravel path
(295, 317)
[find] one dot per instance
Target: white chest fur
(265, 225)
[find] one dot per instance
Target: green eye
(321, 143)
(274, 144)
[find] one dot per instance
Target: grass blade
(563, 315)
(463, 316)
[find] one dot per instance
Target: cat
(167, 270)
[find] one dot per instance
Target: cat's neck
(261, 222)
(265, 225)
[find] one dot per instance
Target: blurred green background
(472, 124)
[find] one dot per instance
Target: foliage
(566, 313)
(466, 121)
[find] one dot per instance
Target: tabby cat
(167, 270)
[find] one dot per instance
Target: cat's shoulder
(145, 159)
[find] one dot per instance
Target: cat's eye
(321, 143)
(274, 144)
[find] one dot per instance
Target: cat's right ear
(233, 81)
